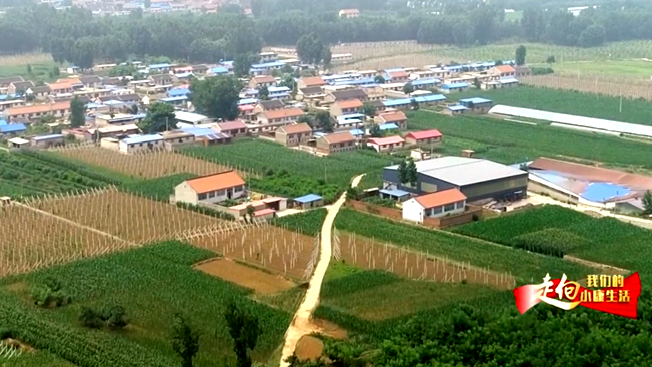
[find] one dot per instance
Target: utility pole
(621, 101)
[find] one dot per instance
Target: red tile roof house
(435, 205)
(348, 107)
(396, 117)
(386, 144)
(425, 137)
(503, 71)
(211, 189)
(262, 81)
(234, 128)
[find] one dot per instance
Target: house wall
(496, 189)
(185, 140)
(219, 196)
(444, 210)
(109, 144)
(335, 110)
(551, 192)
(235, 132)
(413, 211)
(47, 143)
(140, 147)
(183, 193)
(386, 147)
(292, 140)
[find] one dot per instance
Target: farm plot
(129, 217)
(632, 89)
(369, 254)
(143, 165)
(602, 240)
(245, 276)
(497, 141)
(275, 249)
(31, 239)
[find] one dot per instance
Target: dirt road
(302, 322)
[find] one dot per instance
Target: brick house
(293, 135)
(345, 95)
(211, 189)
(396, 117)
(284, 115)
(260, 81)
(425, 137)
(347, 107)
(234, 128)
(57, 109)
(311, 81)
(19, 86)
(336, 142)
(160, 79)
(386, 144)
(503, 71)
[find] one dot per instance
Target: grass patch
(494, 139)
(626, 68)
(158, 188)
(36, 359)
(603, 240)
(152, 283)
(521, 264)
(571, 102)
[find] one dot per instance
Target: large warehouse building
(477, 179)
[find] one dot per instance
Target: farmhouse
(270, 105)
(57, 109)
(211, 189)
(455, 109)
(311, 81)
(279, 92)
(268, 56)
(6, 81)
(47, 141)
(346, 121)
(341, 58)
(310, 93)
(190, 119)
(293, 135)
(522, 70)
(18, 143)
(12, 129)
(19, 87)
(207, 136)
(139, 143)
(309, 201)
(115, 130)
(345, 95)
(386, 144)
(425, 137)
(396, 76)
(454, 87)
(282, 116)
(346, 107)
(335, 142)
(199, 69)
(260, 81)
(40, 91)
(160, 80)
(476, 104)
(349, 13)
(267, 67)
(233, 128)
(435, 205)
(172, 138)
(478, 179)
(503, 71)
(395, 117)
(90, 81)
(265, 208)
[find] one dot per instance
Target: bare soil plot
(30, 239)
(245, 276)
(593, 84)
(153, 164)
(129, 217)
(272, 248)
(368, 254)
(309, 348)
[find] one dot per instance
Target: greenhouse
(589, 122)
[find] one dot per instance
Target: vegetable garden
(268, 157)
(557, 230)
(511, 142)
(154, 283)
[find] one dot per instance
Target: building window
(211, 194)
(460, 205)
(180, 140)
(449, 207)
(201, 197)
(238, 189)
(436, 210)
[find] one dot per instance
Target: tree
(414, 104)
(550, 59)
(216, 97)
(305, 119)
(55, 70)
(375, 131)
(263, 93)
(185, 341)
(368, 109)
(312, 50)
(411, 172)
(250, 212)
(29, 69)
(477, 83)
(403, 176)
(244, 329)
(288, 81)
(160, 117)
(521, 52)
(242, 64)
(77, 112)
(326, 55)
(647, 202)
(83, 52)
(323, 119)
(378, 79)
(408, 88)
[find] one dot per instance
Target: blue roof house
(309, 201)
(178, 92)
(454, 87)
(12, 129)
(477, 104)
(136, 143)
(456, 109)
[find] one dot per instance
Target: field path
(302, 322)
(69, 221)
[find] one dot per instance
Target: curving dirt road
(302, 322)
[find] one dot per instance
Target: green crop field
(262, 156)
(152, 284)
(570, 102)
(371, 295)
(521, 264)
(511, 142)
(604, 240)
(637, 68)
(35, 359)
(309, 222)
